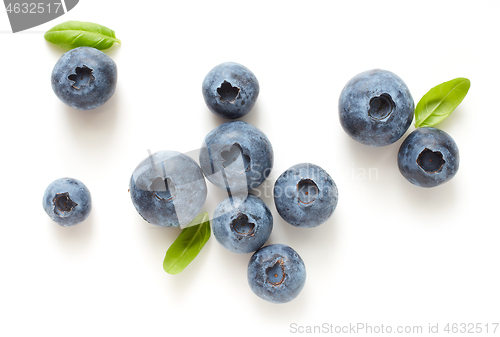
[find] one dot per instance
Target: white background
(392, 253)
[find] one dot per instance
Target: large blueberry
(67, 201)
(230, 90)
(276, 273)
(84, 78)
(376, 108)
(242, 226)
(168, 189)
(428, 157)
(236, 156)
(305, 195)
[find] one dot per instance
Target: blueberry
(67, 201)
(242, 226)
(230, 90)
(168, 189)
(305, 195)
(376, 108)
(276, 273)
(236, 156)
(428, 157)
(84, 78)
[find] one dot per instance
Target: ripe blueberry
(84, 78)
(67, 201)
(230, 90)
(236, 156)
(242, 226)
(305, 195)
(276, 273)
(428, 157)
(376, 108)
(168, 189)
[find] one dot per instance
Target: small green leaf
(187, 245)
(440, 102)
(73, 34)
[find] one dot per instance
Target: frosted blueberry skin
(376, 108)
(236, 156)
(276, 273)
(84, 78)
(230, 90)
(67, 201)
(242, 227)
(168, 189)
(428, 157)
(305, 195)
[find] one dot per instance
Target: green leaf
(440, 102)
(187, 245)
(73, 34)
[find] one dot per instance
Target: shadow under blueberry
(265, 191)
(94, 128)
(76, 238)
(430, 200)
(253, 117)
(383, 157)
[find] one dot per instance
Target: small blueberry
(67, 201)
(230, 90)
(428, 157)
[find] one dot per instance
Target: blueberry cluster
(376, 109)
(238, 157)
(168, 188)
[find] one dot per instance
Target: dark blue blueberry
(428, 157)
(230, 90)
(236, 156)
(376, 108)
(67, 201)
(168, 189)
(305, 195)
(84, 78)
(242, 226)
(276, 273)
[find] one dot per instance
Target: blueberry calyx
(63, 203)
(276, 273)
(163, 189)
(381, 106)
(233, 154)
(307, 190)
(227, 92)
(241, 226)
(82, 76)
(430, 161)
